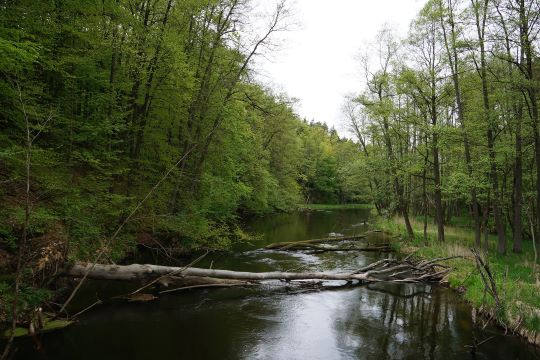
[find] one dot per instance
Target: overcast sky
(317, 62)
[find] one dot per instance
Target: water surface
(282, 321)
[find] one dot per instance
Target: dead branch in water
(312, 243)
(321, 249)
(487, 277)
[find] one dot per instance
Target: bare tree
(21, 248)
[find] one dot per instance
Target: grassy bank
(334, 206)
(517, 283)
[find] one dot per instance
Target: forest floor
(517, 282)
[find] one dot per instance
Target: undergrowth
(518, 285)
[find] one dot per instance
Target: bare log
(378, 272)
(143, 272)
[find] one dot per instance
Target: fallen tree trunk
(289, 245)
(143, 272)
(319, 249)
(382, 271)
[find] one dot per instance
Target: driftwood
(387, 270)
(319, 248)
(313, 244)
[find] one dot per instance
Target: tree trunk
(451, 49)
(480, 27)
(518, 186)
(402, 205)
(439, 213)
(376, 272)
(485, 222)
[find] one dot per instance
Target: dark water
(282, 322)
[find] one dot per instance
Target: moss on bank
(517, 282)
(48, 325)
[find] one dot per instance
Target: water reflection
(417, 322)
(379, 321)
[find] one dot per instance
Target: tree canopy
(448, 118)
(123, 96)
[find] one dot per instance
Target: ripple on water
(272, 321)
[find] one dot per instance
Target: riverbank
(518, 285)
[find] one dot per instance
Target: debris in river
(313, 244)
(386, 270)
(333, 234)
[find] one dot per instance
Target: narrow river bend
(383, 321)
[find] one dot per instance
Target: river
(381, 321)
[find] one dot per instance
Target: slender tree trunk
(143, 110)
(373, 183)
(480, 26)
(433, 114)
(485, 222)
(518, 185)
(451, 50)
(133, 106)
(425, 203)
(439, 213)
(21, 248)
(397, 186)
(517, 190)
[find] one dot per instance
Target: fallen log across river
(314, 244)
(386, 270)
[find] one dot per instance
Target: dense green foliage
(140, 122)
(119, 93)
(448, 119)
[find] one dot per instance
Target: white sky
(317, 62)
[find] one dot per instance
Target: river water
(282, 322)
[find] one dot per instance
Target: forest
(107, 101)
(448, 121)
(146, 117)
(448, 127)
(127, 121)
